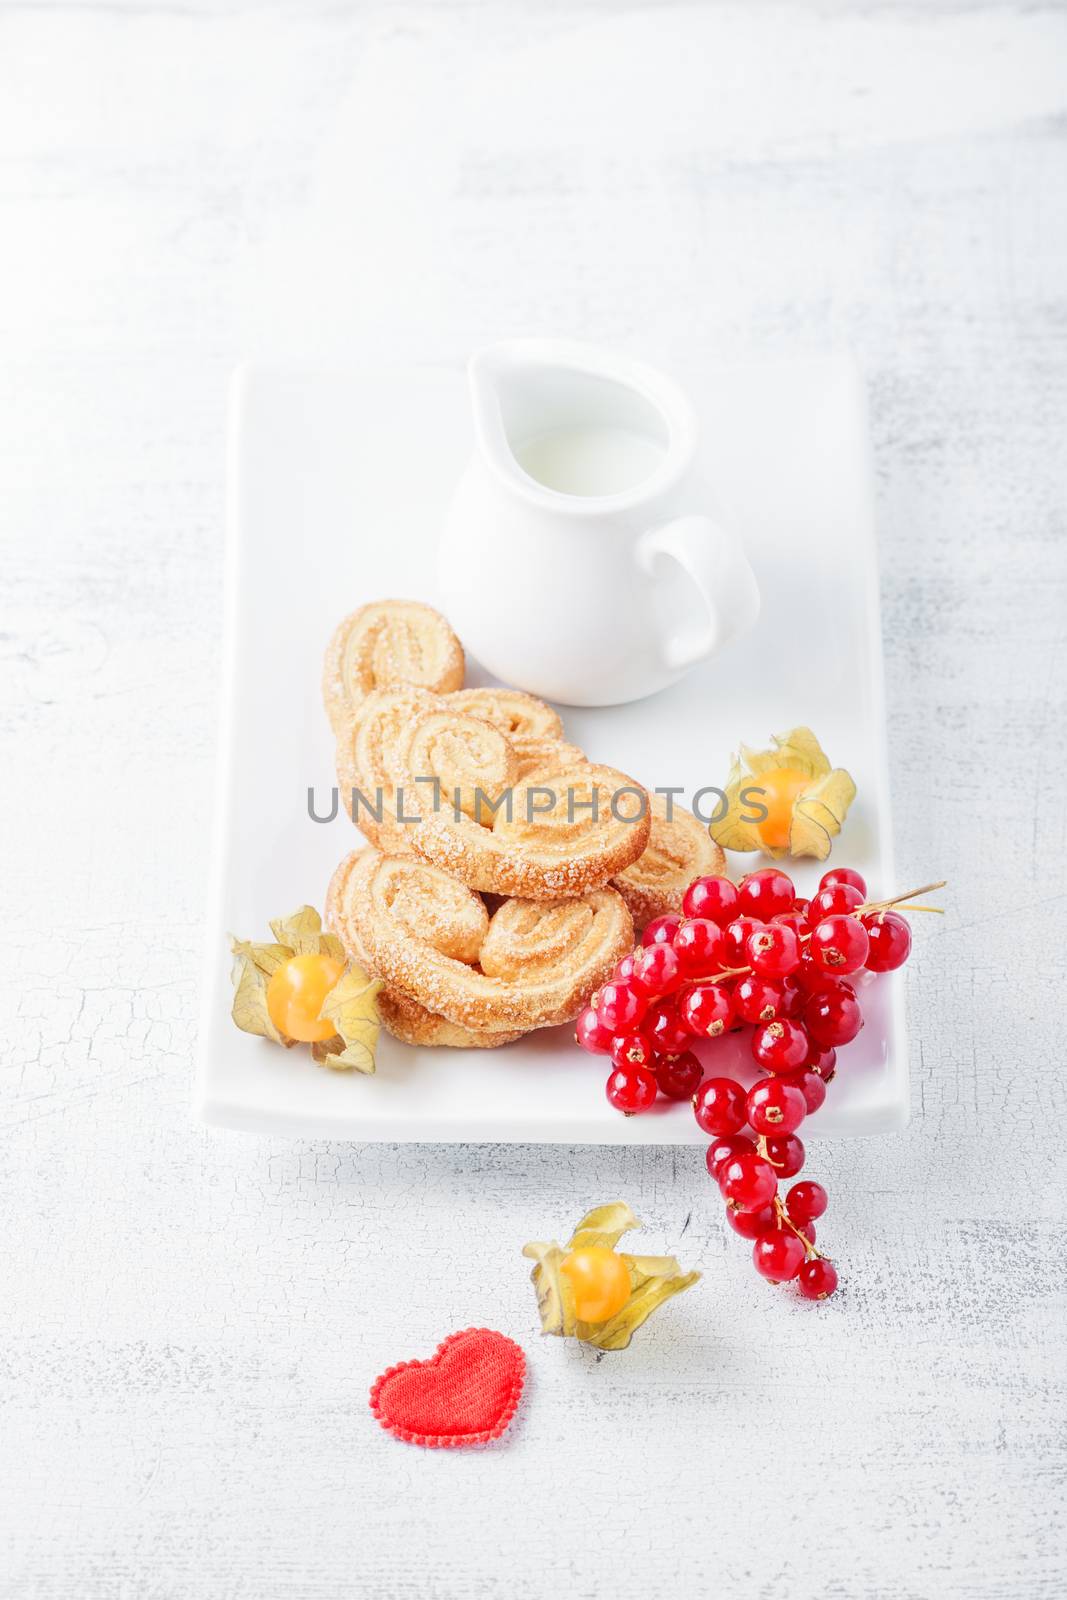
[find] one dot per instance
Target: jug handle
(715, 563)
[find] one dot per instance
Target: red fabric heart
(465, 1394)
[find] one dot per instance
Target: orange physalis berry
(295, 995)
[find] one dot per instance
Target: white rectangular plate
(338, 483)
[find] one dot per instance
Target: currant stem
(899, 899)
(783, 1216)
(727, 972)
(761, 1146)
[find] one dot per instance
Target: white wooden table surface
(190, 1319)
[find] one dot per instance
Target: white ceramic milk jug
(579, 560)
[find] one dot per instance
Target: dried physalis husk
(351, 1005)
(805, 799)
(653, 1279)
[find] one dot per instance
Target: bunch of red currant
(757, 954)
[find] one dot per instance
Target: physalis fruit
(786, 801)
(302, 990)
(295, 995)
(593, 1292)
(599, 1281)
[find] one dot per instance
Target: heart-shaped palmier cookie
(466, 1393)
(532, 964)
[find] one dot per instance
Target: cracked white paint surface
(191, 1320)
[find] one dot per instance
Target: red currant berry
(775, 1107)
(699, 945)
(591, 1033)
(817, 1279)
(773, 950)
(785, 1152)
(620, 1007)
(837, 901)
(713, 898)
(631, 1089)
(781, 1046)
(833, 1017)
(889, 938)
(624, 969)
(679, 1076)
(631, 1050)
(795, 920)
(657, 970)
(838, 986)
(810, 1085)
(763, 894)
(823, 1060)
(835, 986)
(707, 1010)
(665, 1028)
(662, 930)
(757, 999)
(806, 1201)
(778, 1255)
(719, 1106)
(809, 976)
(848, 875)
(722, 1150)
(840, 944)
(747, 1182)
(750, 1224)
(736, 938)
(793, 998)
(801, 907)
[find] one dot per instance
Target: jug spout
(556, 417)
(495, 381)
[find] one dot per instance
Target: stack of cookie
(505, 872)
